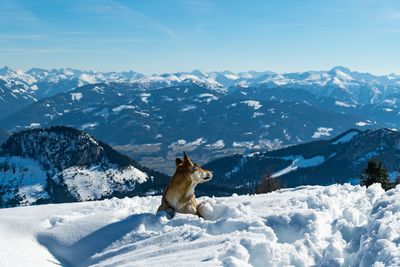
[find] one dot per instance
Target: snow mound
(338, 225)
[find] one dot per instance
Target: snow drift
(338, 225)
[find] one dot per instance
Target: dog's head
(197, 174)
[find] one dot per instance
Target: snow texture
(338, 225)
(95, 182)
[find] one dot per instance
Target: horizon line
(25, 70)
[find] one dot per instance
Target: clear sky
(156, 36)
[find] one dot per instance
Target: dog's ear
(178, 161)
(186, 160)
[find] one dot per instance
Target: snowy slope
(62, 164)
(338, 225)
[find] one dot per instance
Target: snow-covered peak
(341, 69)
(337, 73)
(16, 75)
(339, 82)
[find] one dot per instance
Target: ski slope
(338, 225)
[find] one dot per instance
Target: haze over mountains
(153, 118)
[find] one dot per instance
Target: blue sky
(156, 36)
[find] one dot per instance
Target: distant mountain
(210, 114)
(339, 83)
(323, 162)
(16, 91)
(61, 164)
(51, 82)
(160, 123)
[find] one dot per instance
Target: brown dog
(179, 194)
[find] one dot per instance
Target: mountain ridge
(62, 164)
(323, 162)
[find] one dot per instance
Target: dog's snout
(208, 175)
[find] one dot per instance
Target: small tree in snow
(375, 173)
(397, 181)
(267, 184)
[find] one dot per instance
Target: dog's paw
(167, 213)
(205, 210)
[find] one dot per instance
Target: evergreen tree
(267, 184)
(375, 173)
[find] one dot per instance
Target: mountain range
(337, 160)
(62, 164)
(152, 118)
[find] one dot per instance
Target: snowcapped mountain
(51, 82)
(337, 225)
(348, 88)
(337, 160)
(62, 164)
(339, 82)
(16, 91)
(211, 114)
(160, 123)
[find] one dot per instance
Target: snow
(145, 97)
(89, 125)
(207, 97)
(299, 162)
(344, 104)
(76, 96)
(338, 225)
(364, 123)
(180, 145)
(346, 138)
(217, 145)
(322, 131)
(231, 76)
(34, 125)
(187, 108)
(24, 174)
(247, 144)
(85, 78)
(123, 107)
(252, 103)
(343, 76)
(257, 114)
(93, 183)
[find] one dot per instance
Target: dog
(179, 194)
